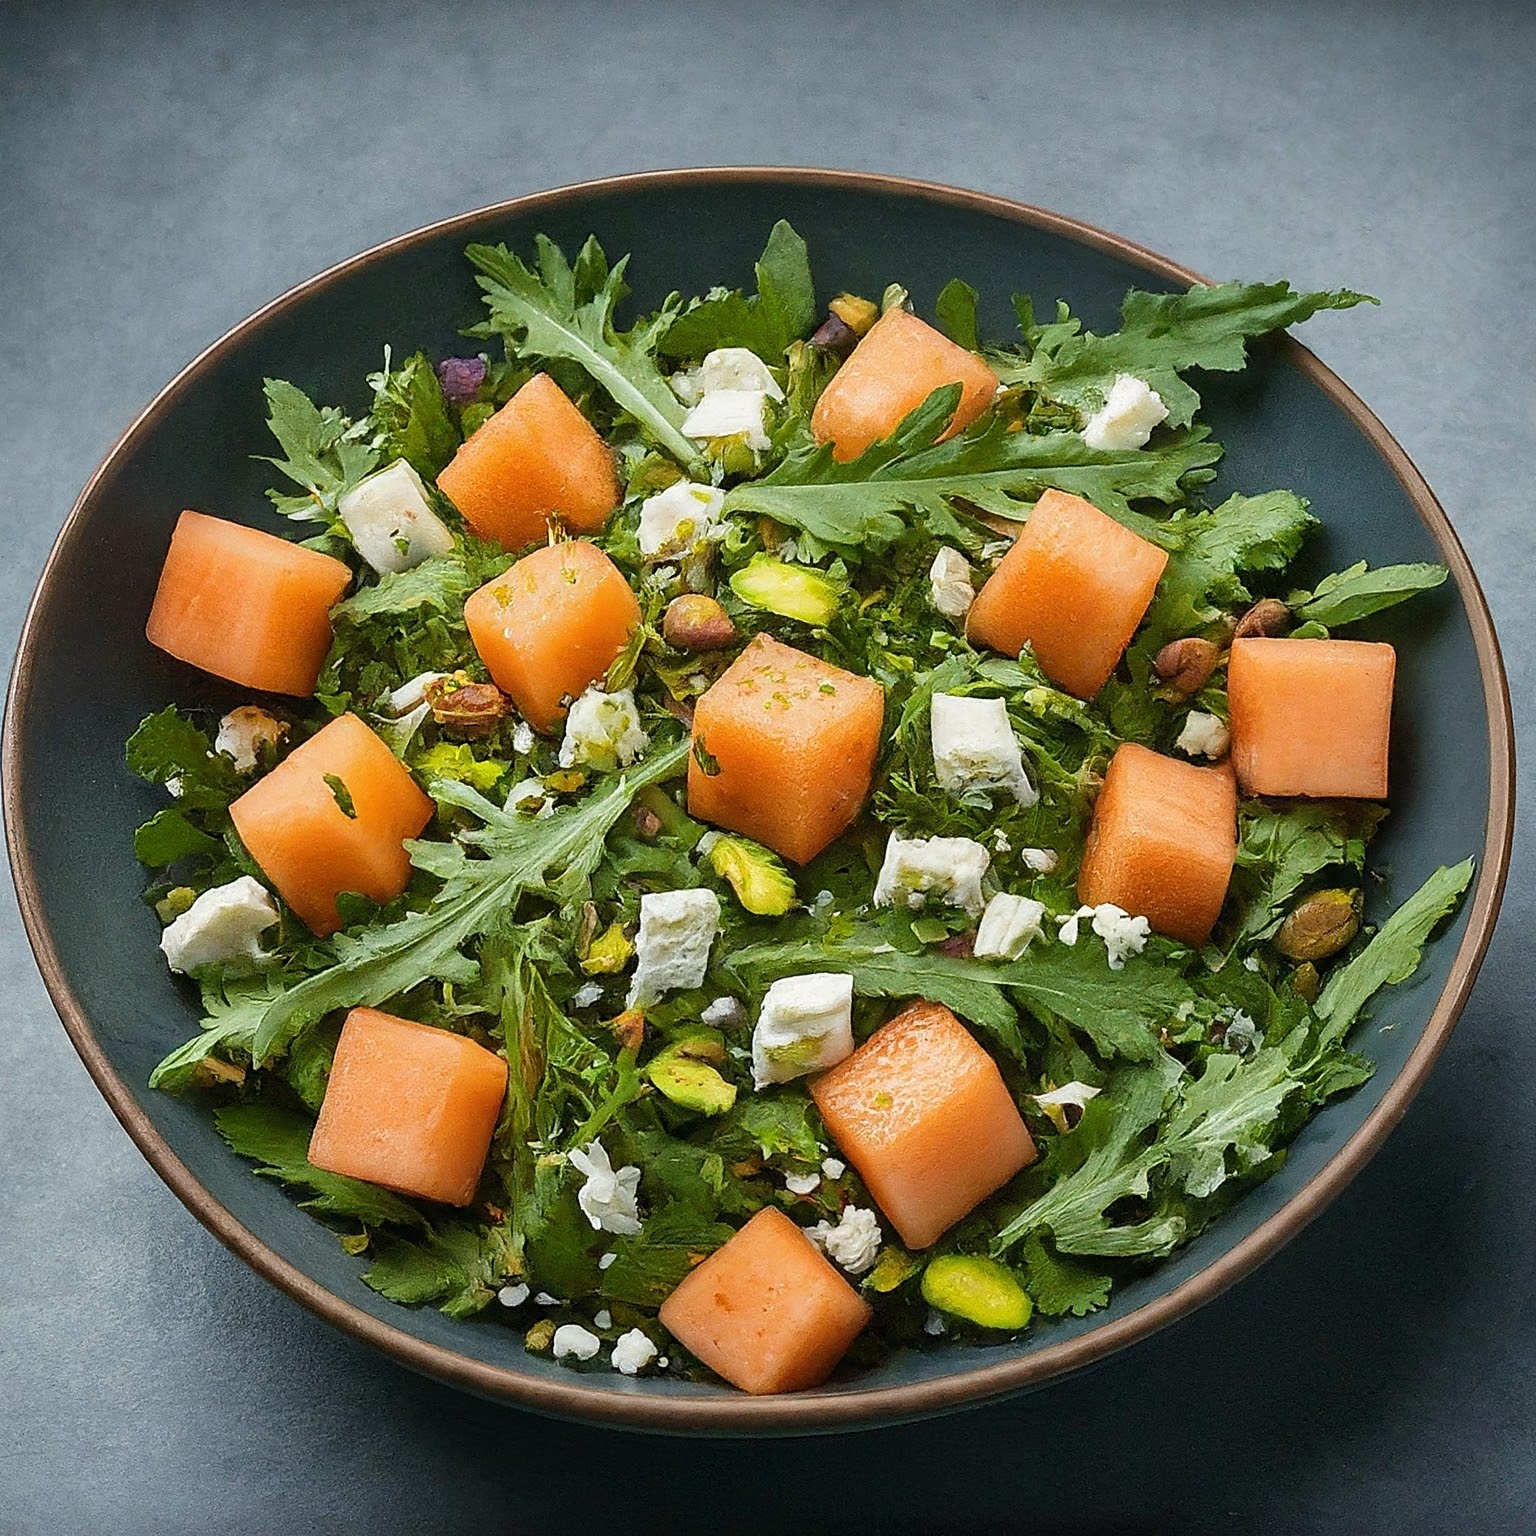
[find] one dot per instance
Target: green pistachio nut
(792, 591)
(1320, 926)
(980, 1290)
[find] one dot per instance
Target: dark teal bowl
(85, 676)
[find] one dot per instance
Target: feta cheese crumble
(723, 1013)
(530, 798)
(632, 1352)
(1123, 934)
(606, 1260)
(737, 368)
(522, 738)
(1008, 927)
(602, 1319)
(833, 1167)
(730, 413)
(603, 731)
(1056, 1101)
(223, 924)
(1125, 420)
(512, 1295)
(802, 1183)
(806, 1024)
(949, 583)
(918, 867)
(609, 1198)
(243, 732)
(392, 523)
(935, 1325)
(588, 995)
(1242, 1034)
(676, 519)
(1203, 735)
(974, 748)
(1041, 861)
(854, 1243)
(672, 946)
(573, 1342)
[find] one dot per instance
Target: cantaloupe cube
(922, 1112)
(538, 457)
(1163, 841)
(315, 838)
(552, 625)
(1311, 717)
(409, 1107)
(889, 374)
(784, 748)
(246, 605)
(766, 1311)
(1074, 586)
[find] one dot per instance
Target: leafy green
(459, 1267)
(411, 417)
(1058, 1285)
(170, 749)
(168, 836)
(1357, 593)
(782, 311)
(278, 1139)
(512, 855)
(323, 452)
(232, 1009)
(853, 507)
(1161, 335)
(566, 312)
(955, 310)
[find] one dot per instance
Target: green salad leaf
(411, 416)
(322, 451)
(1349, 596)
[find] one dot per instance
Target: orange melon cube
(889, 374)
(784, 748)
(1311, 717)
(294, 824)
(922, 1112)
(409, 1107)
(551, 626)
(538, 457)
(1162, 843)
(246, 605)
(1074, 586)
(767, 1311)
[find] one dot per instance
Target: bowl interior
(86, 676)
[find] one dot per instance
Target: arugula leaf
(232, 1009)
(552, 856)
(955, 310)
(457, 1266)
(323, 451)
(1160, 336)
(783, 310)
(411, 416)
(1394, 951)
(566, 312)
(278, 1139)
(849, 507)
(1354, 594)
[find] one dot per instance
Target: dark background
(166, 169)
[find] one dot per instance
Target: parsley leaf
(457, 1266)
(1058, 1285)
(566, 312)
(168, 836)
(170, 748)
(411, 416)
(323, 451)
(782, 311)
(1348, 596)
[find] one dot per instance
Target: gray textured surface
(163, 170)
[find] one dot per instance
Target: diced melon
(332, 817)
(246, 605)
(888, 375)
(767, 1311)
(409, 1107)
(1163, 841)
(784, 748)
(1074, 586)
(538, 457)
(552, 625)
(1311, 717)
(922, 1112)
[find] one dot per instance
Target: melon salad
(778, 834)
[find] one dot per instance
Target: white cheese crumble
(1056, 1101)
(223, 924)
(730, 413)
(833, 1167)
(412, 695)
(512, 1295)
(723, 1013)
(602, 1319)
(632, 1352)
(1042, 861)
(574, 1342)
(609, 1198)
(854, 1243)
(918, 867)
(243, 732)
(676, 519)
(544, 1299)
(588, 995)
(606, 1260)
(949, 583)
(737, 368)
(1125, 420)
(802, 1183)
(522, 738)
(391, 521)
(1203, 735)
(603, 731)
(530, 798)
(1008, 927)
(1123, 934)
(974, 748)
(805, 1025)
(935, 1324)
(672, 946)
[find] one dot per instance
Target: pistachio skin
(1319, 926)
